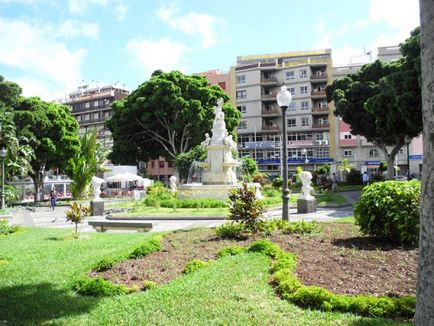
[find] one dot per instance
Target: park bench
(102, 226)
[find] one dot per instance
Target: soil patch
(337, 257)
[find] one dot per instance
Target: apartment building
(258, 79)
(91, 105)
(364, 155)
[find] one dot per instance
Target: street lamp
(304, 152)
(3, 156)
(407, 140)
(283, 100)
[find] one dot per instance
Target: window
(291, 123)
(303, 89)
(242, 108)
(95, 116)
(244, 154)
(373, 153)
(241, 95)
(348, 136)
(259, 138)
(303, 73)
(292, 106)
(323, 105)
(78, 117)
(289, 75)
(273, 153)
(319, 137)
(291, 90)
(348, 153)
(95, 103)
(241, 79)
(242, 125)
(401, 151)
(304, 105)
(305, 121)
(161, 164)
(222, 85)
(107, 114)
(87, 105)
(259, 155)
(322, 152)
(86, 116)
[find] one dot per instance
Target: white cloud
(121, 11)
(192, 23)
(151, 55)
(401, 15)
(345, 55)
(73, 28)
(79, 6)
(33, 49)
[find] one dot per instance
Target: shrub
(271, 192)
(147, 248)
(6, 229)
(230, 251)
(76, 215)
(277, 182)
(249, 165)
(194, 265)
(284, 260)
(354, 177)
(300, 227)
(266, 247)
(147, 285)
(231, 231)
(390, 210)
(261, 178)
(105, 264)
(245, 208)
(184, 160)
(99, 287)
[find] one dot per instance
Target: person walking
(365, 178)
(334, 182)
(53, 198)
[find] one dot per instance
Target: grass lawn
(34, 288)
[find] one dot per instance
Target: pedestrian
(53, 198)
(334, 182)
(365, 178)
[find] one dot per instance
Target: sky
(49, 47)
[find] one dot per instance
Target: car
(400, 178)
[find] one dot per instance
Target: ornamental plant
(76, 215)
(246, 208)
(390, 210)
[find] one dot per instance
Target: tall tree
(425, 279)
(53, 135)
(382, 101)
(165, 116)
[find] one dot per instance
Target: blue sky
(50, 46)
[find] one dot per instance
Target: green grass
(2, 211)
(343, 187)
(34, 288)
(179, 212)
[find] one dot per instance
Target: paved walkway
(45, 217)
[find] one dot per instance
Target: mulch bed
(337, 258)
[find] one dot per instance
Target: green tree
(344, 167)
(52, 133)
(184, 160)
(165, 116)
(382, 101)
(86, 164)
(250, 168)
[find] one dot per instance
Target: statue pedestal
(306, 205)
(97, 207)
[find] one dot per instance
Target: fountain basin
(214, 191)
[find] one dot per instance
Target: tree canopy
(52, 132)
(382, 101)
(165, 116)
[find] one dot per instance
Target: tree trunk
(425, 279)
(390, 166)
(38, 183)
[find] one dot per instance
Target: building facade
(91, 105)
(258, 79)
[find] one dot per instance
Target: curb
(165, 218)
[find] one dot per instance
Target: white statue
(207, 140)
(231, 145)
(172, 181)
(306, 178)
(96, 184)
(219, 120)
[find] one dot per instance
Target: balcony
(316, 93)
(319, 76)
(272, 111)
(268, 96)
(317, 125)
(270, 128)
(320, 109)
(268, 80)
(300, 142)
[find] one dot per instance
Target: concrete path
(45, 217)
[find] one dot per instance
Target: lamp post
(3, 156)
(283, 100)
(407, 140)
(304, 152)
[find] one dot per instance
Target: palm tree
(345, 167)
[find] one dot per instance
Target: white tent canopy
(124, 177)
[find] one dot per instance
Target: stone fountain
(218, 170)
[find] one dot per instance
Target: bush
(147, 248)
(99, 287)
(230, 251)
(245, 208)
(261, 178)
(184, 160)
(231, 231)
(271, 192)
(266, 247)
(300, 227)
(147, 285)
(277, 182)
(6, 229)
(194, 265)
(105, 264)
(390, 210)
(354, 177)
